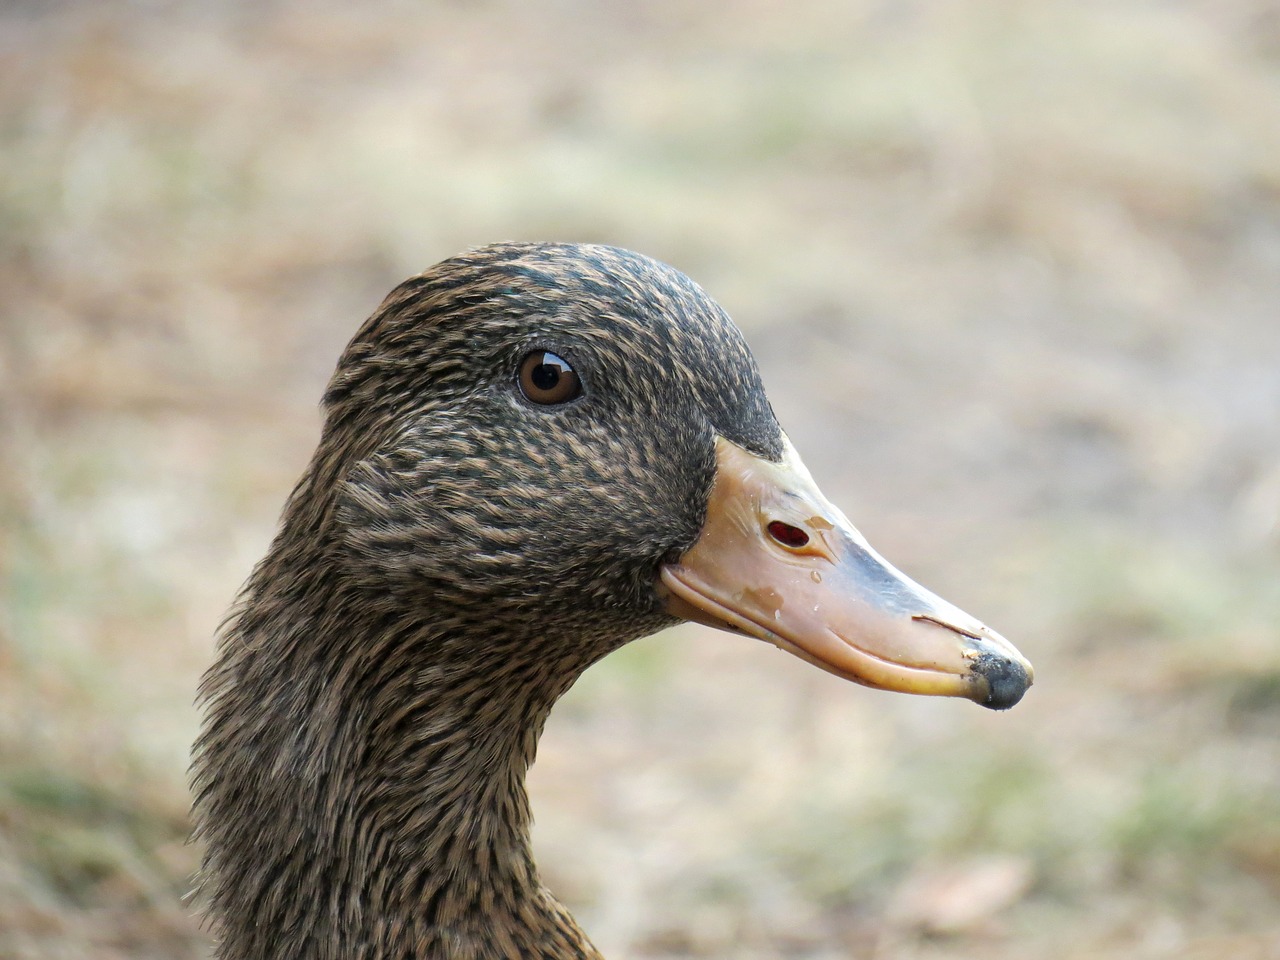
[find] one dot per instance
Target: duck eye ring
(546, 378)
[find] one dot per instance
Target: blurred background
(1012, 272)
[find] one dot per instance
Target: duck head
(571, 445)
(531, 454)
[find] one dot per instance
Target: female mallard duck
(532, 454)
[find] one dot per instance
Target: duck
(531, 454)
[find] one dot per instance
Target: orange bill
(777, 561)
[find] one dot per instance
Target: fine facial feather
(452, 560)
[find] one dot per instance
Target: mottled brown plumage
(454, 557)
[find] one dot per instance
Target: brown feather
(449, 564)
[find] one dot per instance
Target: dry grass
(1012, 270)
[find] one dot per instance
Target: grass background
(1012, 271)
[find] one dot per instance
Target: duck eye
(547, 378)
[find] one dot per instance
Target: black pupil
(546, 374)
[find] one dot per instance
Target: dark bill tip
(1007, 680)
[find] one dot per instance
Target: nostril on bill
(787, 535)
(1007, 680)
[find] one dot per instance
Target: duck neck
(365, 791)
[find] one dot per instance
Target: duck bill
(777, 561)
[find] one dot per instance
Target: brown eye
(547, 378)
